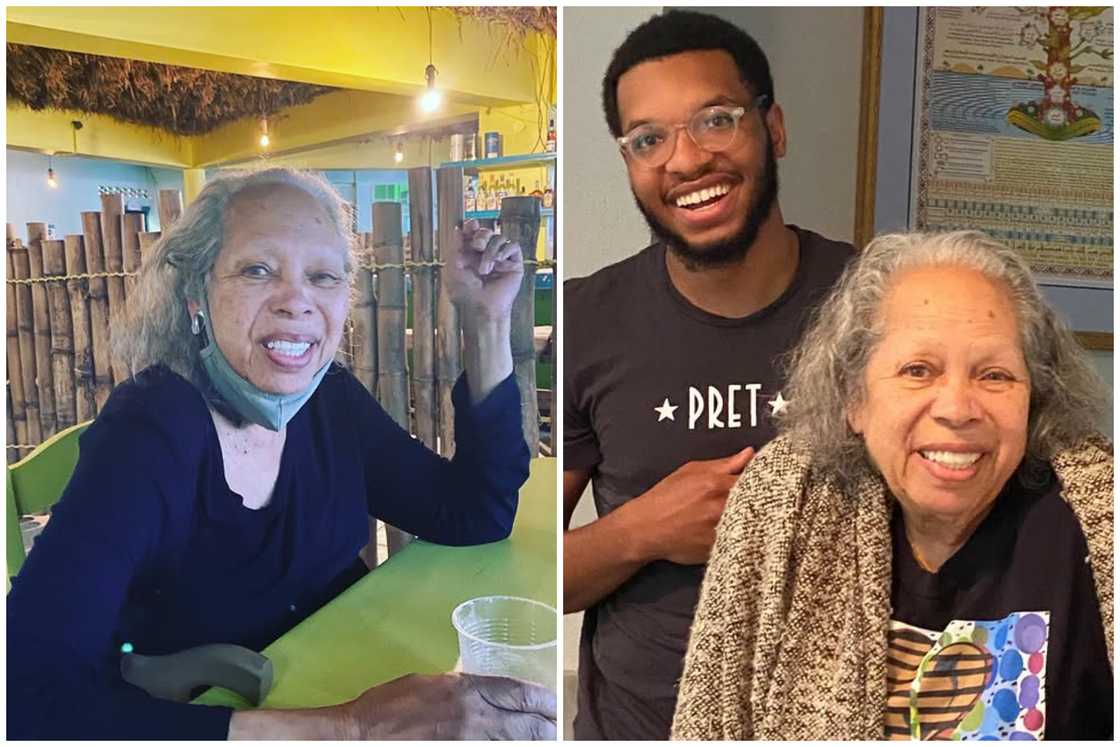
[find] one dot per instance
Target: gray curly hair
(156, 328)
(826, 371)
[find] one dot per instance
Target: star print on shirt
(665, 412)
(778, 404)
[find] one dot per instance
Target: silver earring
(196, 324)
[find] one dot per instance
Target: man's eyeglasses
(712, 128)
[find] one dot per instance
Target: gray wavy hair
(156, 328)
(826, 371)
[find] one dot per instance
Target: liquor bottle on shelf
(537, 191)
(520, 187)
(469, 196)
(492, 197)
(550, 143)
(481, 196)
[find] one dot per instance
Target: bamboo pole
(17, 412)
(170, 208)
(449, 185)
(98, 308)
(13, 438)
(132, 225)
(423, 305)
(21, 270)
(36, 233)
(364, 360)
(148, 239)
(62, 334)
(364, 354)
(521, 222)
(85, 402)
(392, 375)
(364, 317)
(112, 208)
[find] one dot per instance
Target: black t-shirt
(1005, 641)
(652, 382)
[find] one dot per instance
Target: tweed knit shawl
(789, 640)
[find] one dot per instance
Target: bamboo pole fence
(112, 210)
(98, 306)
(62, 334)
(17, 413)
(78, 287)
(65, 295)
(392, 369)
(449, 182)
(521, 222)
(36, 232)
(423, 306)
(25, 320)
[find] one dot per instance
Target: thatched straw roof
(519, 19)
(182, 100)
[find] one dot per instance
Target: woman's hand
(484, 274)
(452, 706)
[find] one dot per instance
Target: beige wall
(601, 223)
(815, 56)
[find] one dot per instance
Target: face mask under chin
(252, 404)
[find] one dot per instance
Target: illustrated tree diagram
(1064, 34)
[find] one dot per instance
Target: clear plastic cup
(507, 636)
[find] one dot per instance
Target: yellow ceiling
(379, 54)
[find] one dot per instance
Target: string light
(51, 181)
(264, 139)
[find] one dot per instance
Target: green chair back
(36, 482)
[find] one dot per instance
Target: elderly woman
(926, 550)
(222, 494)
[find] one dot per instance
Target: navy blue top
(149, 545)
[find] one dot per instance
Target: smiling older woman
(222, 493)
(926, 550)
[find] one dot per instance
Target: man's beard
(722, 253)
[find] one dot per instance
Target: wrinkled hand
(484, 273)
(452, 706)
(685, 506)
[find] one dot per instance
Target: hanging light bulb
(398, 153)
(264, 140)
(51, 181)
(432, 98)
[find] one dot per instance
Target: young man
(672, 356)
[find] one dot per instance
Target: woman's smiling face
(279, 291)
(947, 393)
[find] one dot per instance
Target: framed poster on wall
(1009, 115)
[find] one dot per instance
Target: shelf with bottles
(483, 195)
(504, 162)
(496, 214)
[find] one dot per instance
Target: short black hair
(679, 31)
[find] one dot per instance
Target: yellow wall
(329, 118)
(100, 137)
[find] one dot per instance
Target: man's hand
(452, 706)
(680, 513)
(484, 274)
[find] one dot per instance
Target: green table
(397, 619)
